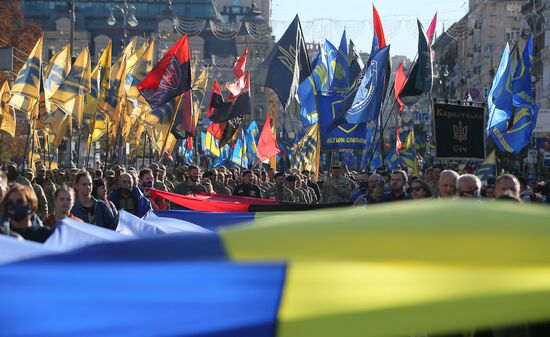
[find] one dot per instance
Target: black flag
(420, 77)
(287, 65)
(355, 62)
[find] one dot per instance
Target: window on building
(513, 35)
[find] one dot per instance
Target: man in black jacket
(247, 189)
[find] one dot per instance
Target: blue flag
(497, 115)
(369, 96)
(343, 47)
(338, 68)
(343, 137)
(372, 156)
(393, 160)
(513, 132)
(502, 92)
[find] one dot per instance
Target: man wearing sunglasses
(468, 186)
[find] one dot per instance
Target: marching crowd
(33, 202)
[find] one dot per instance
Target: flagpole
(27, 143)
(144, 147)
(383, 126)
(79, 134)
(32, 146)
(150, 149)
(169, 130)
(89, 144)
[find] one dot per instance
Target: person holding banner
(128, 197)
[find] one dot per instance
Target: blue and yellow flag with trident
(25, 90)
(306, 153)
(69, 97)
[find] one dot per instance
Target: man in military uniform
(217, 185)
(47, 185)
(43, 210)
(279, 191)
(299, 195)
(338, 188)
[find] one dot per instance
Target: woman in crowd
(420, 189)
(19, 215)
(88, 208)
(63, 203)
(99, 191)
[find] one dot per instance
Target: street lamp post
(128, 17)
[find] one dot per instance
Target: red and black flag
(239, 105)
(229, 130)
(170, 78)
(184, 125)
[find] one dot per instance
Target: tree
(22, 36)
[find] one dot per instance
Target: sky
(323, 19)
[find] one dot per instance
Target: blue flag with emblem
(315, 84)
(367, 98)
(513, 134)
(343, 137)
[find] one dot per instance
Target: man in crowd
(298, 194)
(374, 189)
(129, 198)
(43, 209)
(191, 184)
(468, 186)
(217, 185)
(398, 181)
(280, 192)
(507, 184)
(247, 188)
(46, 183)
(446, 185)
(338, 188)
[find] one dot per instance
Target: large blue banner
(344, 137)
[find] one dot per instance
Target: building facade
(468, 53)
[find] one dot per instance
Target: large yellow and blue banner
(277, 277)
(343, 137)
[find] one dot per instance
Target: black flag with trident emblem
(287, 65)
